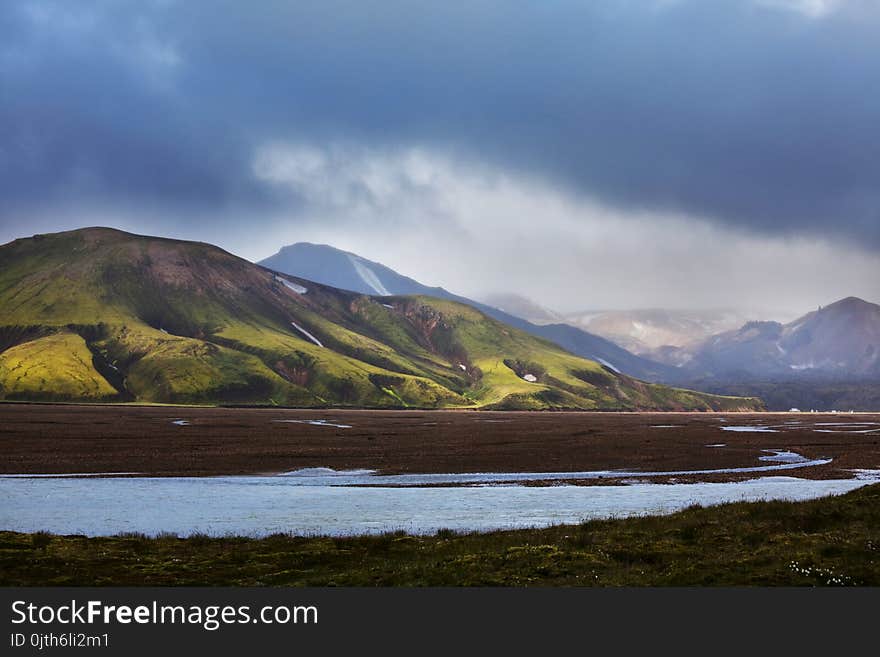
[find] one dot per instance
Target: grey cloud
(760, 115)
(477, 230)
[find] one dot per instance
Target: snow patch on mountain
(607, 364)
(368, 276)
(306, 333)
(299, 289)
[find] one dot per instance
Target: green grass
(339, 377)
(166, 321)
(827, 542)
(56, 367)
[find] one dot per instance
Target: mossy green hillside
(55, 367)
(147, 319)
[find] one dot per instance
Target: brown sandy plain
(50, 439)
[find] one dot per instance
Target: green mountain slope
(98, 314)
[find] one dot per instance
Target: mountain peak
(850, 304)
(304, 246)
(89, 232)
(92, 234)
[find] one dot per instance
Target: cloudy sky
(588, 154)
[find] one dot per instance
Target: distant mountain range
(838, 340)
(523, 307)
(102, 315)
(349, 271)
(99, 314)
(827, 359)
(657, 333)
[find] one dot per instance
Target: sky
(602, 154)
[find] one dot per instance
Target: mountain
(331, 266)
(346, 271)
(102, 315)
(659, 334)
(522, 307)
(841, 340)
(826, 360)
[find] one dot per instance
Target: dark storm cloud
(758, 116)
(90, 111)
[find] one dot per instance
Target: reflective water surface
(262, 505)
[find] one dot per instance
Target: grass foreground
(826, 542)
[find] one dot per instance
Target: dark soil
(45, 438)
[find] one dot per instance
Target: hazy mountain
(840, 340)
(99, 314)
(522, 307)
(349, 271)
(825, 360)
(658, 333)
